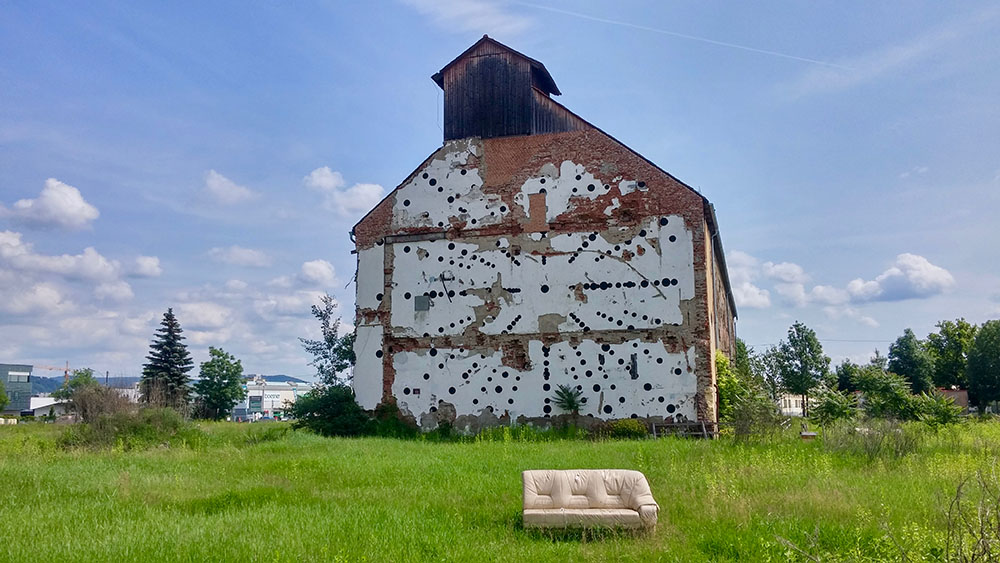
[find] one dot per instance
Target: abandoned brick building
(534, 250)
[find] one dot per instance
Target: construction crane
(65, 370)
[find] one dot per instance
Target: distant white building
(268, 398)
(790, 405)
(44, 406)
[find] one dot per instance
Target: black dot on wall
(510, 401)
(503, 209)
(545, 288)
(546, 387)
(671, 408)
(579, 177)
(591, 187)
(406, 249)
(596, 388)
(648, 387)
(427, 376)
(642, 184)
(660, 399)
(406, 203)
(463, 172)
(672, 238)
(451, 390)
(677, 371)
(432, 182)
(498, 389)
(607, 409)
(433, 352)
(451, 246)
(663, 221)
(475, 401)
(424, 176)
(378, 353)
(642, 233)
(547, 409)
(621, 400)
(378, 297)
(406, 390)
(407, 295)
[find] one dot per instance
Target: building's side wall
(16, 379)
(514, 265)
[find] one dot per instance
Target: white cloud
(147, 267)
(319, 272)
(785, 271)
(911, 276)
(204, 315)
(36, 298)
(750, 296)
(114, 291)
(21, 256)
(240, 256)
(236, 285)
(226, 191)
(915, 171)
(479, 16)
(829, 295)
(351, 202)
(794, 293)
(324, 180)
(297, 304)
(59, 205)
(850, 313)
(743, 270)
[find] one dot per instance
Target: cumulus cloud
(785, 271)
(240, 256)
(114, 291)
(58, 205)
(319, 272)
(20, 255)
(225, 191)
(911, 276)
(236, 285)
(147, 267)
(296, 304)
(350, 202)
(40, 297)
(743, 270)
(204, 315)
(850, 313)
(478, 16)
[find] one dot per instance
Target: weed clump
(126, 431)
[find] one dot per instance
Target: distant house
(44, 406)
(790, 405)
(16, 380)
(960, 396)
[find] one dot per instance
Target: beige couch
(588, 498)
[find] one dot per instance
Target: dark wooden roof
(543, 79)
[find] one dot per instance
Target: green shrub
(624, 429)
(132, 431)
(873, 439)
(331, 410)
(269, 434)
(937, 411)
(389, 422)
(886, 395)
(755, 414)
(830, 406)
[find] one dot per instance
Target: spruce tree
(164, 379)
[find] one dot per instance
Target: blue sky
(212, 157)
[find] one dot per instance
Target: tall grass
(255, 492)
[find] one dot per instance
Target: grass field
(306, 498)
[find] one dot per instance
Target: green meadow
(232, 492)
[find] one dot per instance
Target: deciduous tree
(801, 363)
(80, 379)
(164, 379)
(949, 347)
(983, 369)
(908, 357)
(333, 355)
(220, 385)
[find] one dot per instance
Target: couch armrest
(648, 514)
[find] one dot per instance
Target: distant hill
(41, 384)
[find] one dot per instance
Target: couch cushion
(581, 517)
